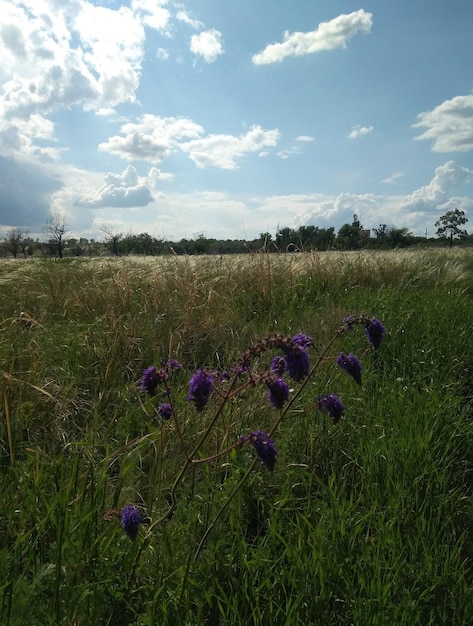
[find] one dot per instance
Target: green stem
(274, 427)
(188, 461)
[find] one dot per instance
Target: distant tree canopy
(448, 226)
(302, 239)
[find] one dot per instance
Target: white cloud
(124, 190)
(449, 125)
(183, 16)
(153, 13)
(393, 178)
(152, 138)
(304, 138)
(162, 53)
(207, 44)
(328, 35)
(448, 179)
(116, 57)
(59, 55)
(223, 151)
(359, 131)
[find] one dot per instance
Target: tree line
(352, 236)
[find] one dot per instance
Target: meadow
(364, 520)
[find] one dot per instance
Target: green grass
(365, 522)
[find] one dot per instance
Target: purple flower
(131, 519)
(151, 378)
(224, 377)
(173, 364)
(278, 365)
(165, 410)
(348, 322)
(375, 332)
(278, 392)
(333, 405)
(350, 365)
(297, 362)
(200, 388)
(265, 448)
(239, 370)
(303, 340)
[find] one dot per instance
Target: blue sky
(230, 118)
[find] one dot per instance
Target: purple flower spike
(375, 332)
(165, 411)
(297, 362)
(131, 519)
(265, 448)
(303, 340)
(173, 364)
(350, 365)
(278, 392)
(278, 365)
(200, 388)
(151, 379)
(333, 405)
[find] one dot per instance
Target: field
(366, 520)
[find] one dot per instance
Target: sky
(231, 118)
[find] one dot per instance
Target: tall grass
(363, 522)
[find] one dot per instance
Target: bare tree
(14, 240)
(112, 239)
(55, 230)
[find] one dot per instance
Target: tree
(55, 229)
(449, 225)
(112, 239)
(382, 232)
(351, 236)
(17, 240)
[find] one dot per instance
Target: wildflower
(241, 369)
(350, 365)
(173, 364)
(333, 405)
(131, 519)
(297, 362)
(348, 322)
(224, 377)
(165, 410)
(265, 448)
(200, 388)
(303, 340)
(278, 392)
(278, 365)
(151, 379)
(375, 332)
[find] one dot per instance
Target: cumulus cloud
(153, 13)
(54, 55)
(359, 131)
(124, 190)
(151, 138)
(207, 44)
(449, 125)
(448, 178)
(223, 151)
(304, 138)
(327, 36)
